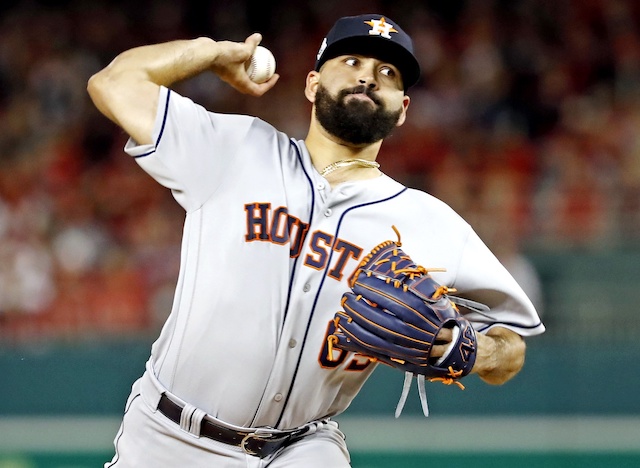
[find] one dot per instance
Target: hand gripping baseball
(393, 315)
(231, 62)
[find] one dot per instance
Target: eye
(388, 71)
(351, 61)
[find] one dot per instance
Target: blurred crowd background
(525, 121)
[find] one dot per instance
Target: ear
(403, 115)
(311, 85)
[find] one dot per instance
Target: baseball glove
(393, 315)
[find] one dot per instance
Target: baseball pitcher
(303, 266)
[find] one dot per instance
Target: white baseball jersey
(267, 252)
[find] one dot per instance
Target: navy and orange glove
(393, 314)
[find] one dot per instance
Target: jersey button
(278, 397)
(328, 212)
(292, 343)
(306, 287)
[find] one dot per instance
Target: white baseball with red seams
(261, 66)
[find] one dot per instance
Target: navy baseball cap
(373, 36)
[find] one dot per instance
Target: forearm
(166, 63)
(500, 355)
(127, 90)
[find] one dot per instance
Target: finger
(258, 89)
(438, 351)
(253, 40)
(445, 335)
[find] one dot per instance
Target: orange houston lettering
(280, 227)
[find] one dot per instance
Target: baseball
(261, 66)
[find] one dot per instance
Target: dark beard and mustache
(356, 122)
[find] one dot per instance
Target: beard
(356, 122)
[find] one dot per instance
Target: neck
(356, 162)
(340, 161)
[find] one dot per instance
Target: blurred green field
(381, 460)
(496, 460)
(374, 442)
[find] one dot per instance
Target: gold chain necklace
(348, 162)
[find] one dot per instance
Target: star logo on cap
(381, 28)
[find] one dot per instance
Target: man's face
(363, 99)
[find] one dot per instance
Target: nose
(370, 83)
(367, 76)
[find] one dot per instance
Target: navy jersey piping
(164, 121)
(315, 301)
(295, 262)
(313, 203)
(510, 324)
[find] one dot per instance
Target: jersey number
(331, 357)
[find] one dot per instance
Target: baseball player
(242, 374)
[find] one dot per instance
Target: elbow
(507, 359)
(93, 85)
(521, 351)
(511, 366)
(101, 90)
(97, 87)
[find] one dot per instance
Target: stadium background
(525, 121)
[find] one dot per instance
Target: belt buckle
(260, 436)
(244, 442)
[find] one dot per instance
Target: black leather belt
(260, 443)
